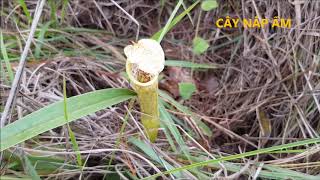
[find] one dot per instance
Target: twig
(17, 77)
(23, 57)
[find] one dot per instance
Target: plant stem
(148, 98)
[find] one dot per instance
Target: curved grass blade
(30, 169)
(52, 116)
(239, 156)
(166, 27)
(41, 40)
(6, 58)
(75, 145)
(148, 150)
(175, 21)
(15, 178)
(188, 64)
(205, 129)
(64, 9)
(25, 10)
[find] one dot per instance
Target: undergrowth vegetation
(234, 103)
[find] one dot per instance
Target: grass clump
(250, 109)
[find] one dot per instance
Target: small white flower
(147, 54)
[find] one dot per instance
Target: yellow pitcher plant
(145, 60)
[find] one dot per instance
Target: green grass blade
(30, 169)
(75, 145)
(153, 155)
(6, 58)
(218, 46)
(40, 40)
(205, 129)
(287, 173)
(276, 173)
(25, 10)
(53, 11)
(125, 121)
(63, 10)
(169, 138)
(14, 178)
(169, 124)
(187, 64)
(167, 26)
(52, 116)
(239, 156)
(42, 164)
(3, 75)
(268, 171)
(175, 21)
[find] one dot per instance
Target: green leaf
(52, 116)
(208, 5)
(186, 90)
(188, 64)
(204, 128)
(175, 21)
(199, 45)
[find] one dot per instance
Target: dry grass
(266, 92)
